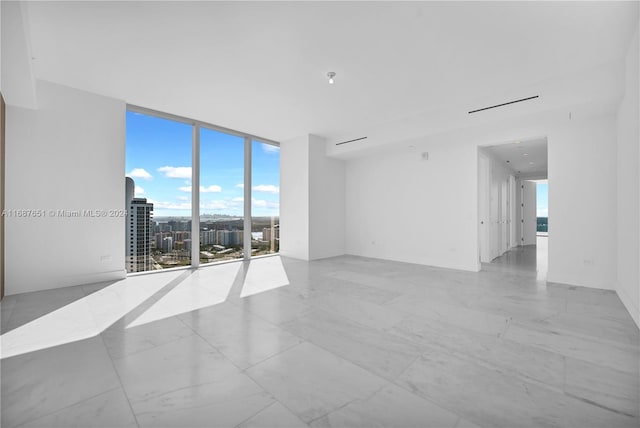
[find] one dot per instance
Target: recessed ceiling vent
(503, 104)
(351, 141)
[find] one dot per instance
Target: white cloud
(266, 188)
(240, 186)
(209, 189)
(140, 173)
(138, 190)
(261, 203)
(543, 212)
(268, 148)
(183, 198)
(234, 204)
(215, 205)
(176, 171)
(172, 205)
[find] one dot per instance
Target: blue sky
(158, 158)
(542, 192)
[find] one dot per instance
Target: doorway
(542, 224)
(512, 203)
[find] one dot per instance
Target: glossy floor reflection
(83, 318)
(527, 258)
(342, 342)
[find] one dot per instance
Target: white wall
(326, 202)
(68, 154)
(17, 81)
(402, 207)
(582, 171)
(628, 183)
(294, 198)
(312, 200)
(484, 206)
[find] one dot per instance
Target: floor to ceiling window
(168, 224)
(221, 196)
(158, 193)
(265, 202)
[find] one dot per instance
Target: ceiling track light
(331, 75)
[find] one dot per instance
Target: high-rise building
(266, 233)
(207, 237)
(138, 231)
(167, 244)
(229, 238)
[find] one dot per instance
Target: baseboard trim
(629, 305)
(91, 278)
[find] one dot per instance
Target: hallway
(528, 258)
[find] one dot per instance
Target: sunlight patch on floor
(205, 287)
(263, 275)
(84, 318)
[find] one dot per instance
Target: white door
(484, 184)
(513, 202)
(494, 215)
(504, 215)
(529, 220)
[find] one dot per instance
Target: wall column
(312, 200)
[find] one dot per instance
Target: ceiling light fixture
(331, 75)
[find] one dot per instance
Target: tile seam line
(195, 333)
(66, 407)
(147, 349)
(115, 370)
(349, 360)
(434, 403)
(257, 412)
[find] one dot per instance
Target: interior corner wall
(415, 208)
(294, 198)
(582, 196)
(16, 76)
(326, 202)
(66, 155)
(312, 200)
(628, 183)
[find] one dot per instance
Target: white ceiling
(527, 159)
(260, 67)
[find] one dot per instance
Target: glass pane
(158, 193)
(221, 196)
(265, 201)
(542, 193)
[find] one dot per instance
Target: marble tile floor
(341, 342)
(532, 259)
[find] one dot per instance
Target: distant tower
(138, 233)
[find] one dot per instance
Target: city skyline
(158, 158)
